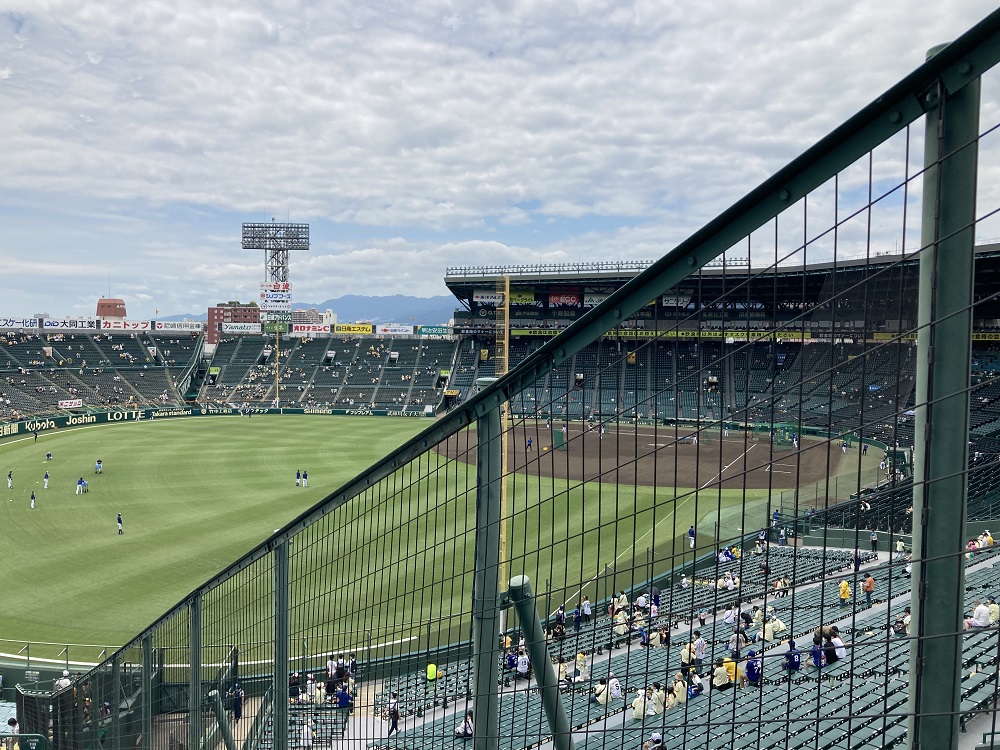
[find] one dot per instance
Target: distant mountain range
(397, 308)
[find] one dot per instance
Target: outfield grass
(194, 494)
(197, 493)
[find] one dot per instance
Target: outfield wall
(55, 422)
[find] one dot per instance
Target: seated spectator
(466, 730)
(792, 659)
(817, 657)
(980, 616)
(720, 677)
(654, 742)
(754, 669)
(600, 696)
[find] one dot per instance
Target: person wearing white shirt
(523, 666)
(63, 682)
(980, 616)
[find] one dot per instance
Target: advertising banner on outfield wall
(69, 324)
(42, 424)
(125, 325)
(192, 326)
(523, 297)
(18, 322)
(433, 331)
(487, 297)
(393, 329)
(311, 330)
(679, 300)
(564, 299)
(593, 300)
(357, 329)
(241, 327)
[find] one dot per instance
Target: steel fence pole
(147, 692)
(486, 586)
(944, 342)
(194, 678)
(523, 599)
(281, 628)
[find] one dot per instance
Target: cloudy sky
(138, 136)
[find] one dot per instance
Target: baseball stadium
(736, 496)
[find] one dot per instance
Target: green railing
(434, 551)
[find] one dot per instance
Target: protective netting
(711, 483)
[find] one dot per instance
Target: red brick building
(229, 312)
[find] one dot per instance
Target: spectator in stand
(466, 730)
(844, 593)
(869, 589)
(980, 616)
(817, 658)
(654, 742)
(838, 642)
(754, 669)
(687, 656)
(600, 696)
(792, 659)
(720, 676)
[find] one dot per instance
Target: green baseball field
(195, 494)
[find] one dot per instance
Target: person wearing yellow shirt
(845, 593)
(736, 675)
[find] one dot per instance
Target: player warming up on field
(120, 531)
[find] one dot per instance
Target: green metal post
(944, 344)
(194, 678)
(116, 702)
(281, 629)
(220, 717)
(538, 653)
(147, 692)
(486, 586)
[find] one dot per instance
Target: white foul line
(724, 468)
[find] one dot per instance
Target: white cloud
(478, 132)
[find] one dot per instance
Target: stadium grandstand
(738, 496)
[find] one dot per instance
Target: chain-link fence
(727, 507)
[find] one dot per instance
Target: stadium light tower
(276, 240)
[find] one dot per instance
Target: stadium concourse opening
(667, 456)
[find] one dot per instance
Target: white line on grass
(724, 468)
